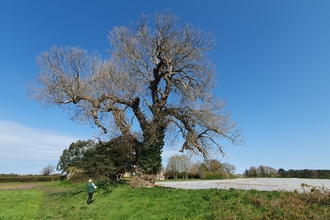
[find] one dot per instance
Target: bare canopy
(158, 77)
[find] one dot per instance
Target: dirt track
(17, 186)
(265, 184)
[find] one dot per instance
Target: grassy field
(64, 200)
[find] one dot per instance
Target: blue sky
(272, 59)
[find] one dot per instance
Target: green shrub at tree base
(88, 159)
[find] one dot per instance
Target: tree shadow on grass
(107, 187)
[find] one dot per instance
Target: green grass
(63, 200)
(19, 204)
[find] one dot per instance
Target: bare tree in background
(266, 171)
(46, 171)
(179, 164)
(158, 76)
(173, 166)
(252, 171)
(185, 164)
(194, 169)
(228, 168)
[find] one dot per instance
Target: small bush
(316, 194)
(213, 175)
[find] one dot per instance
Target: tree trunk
(142, 180)
(149, 159)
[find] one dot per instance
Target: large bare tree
(157, 83)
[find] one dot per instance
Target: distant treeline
(28, 178)
(311, 174)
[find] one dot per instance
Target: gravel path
(265, 184)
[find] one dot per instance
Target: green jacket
(90, 188)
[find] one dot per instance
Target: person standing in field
(90, 190)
